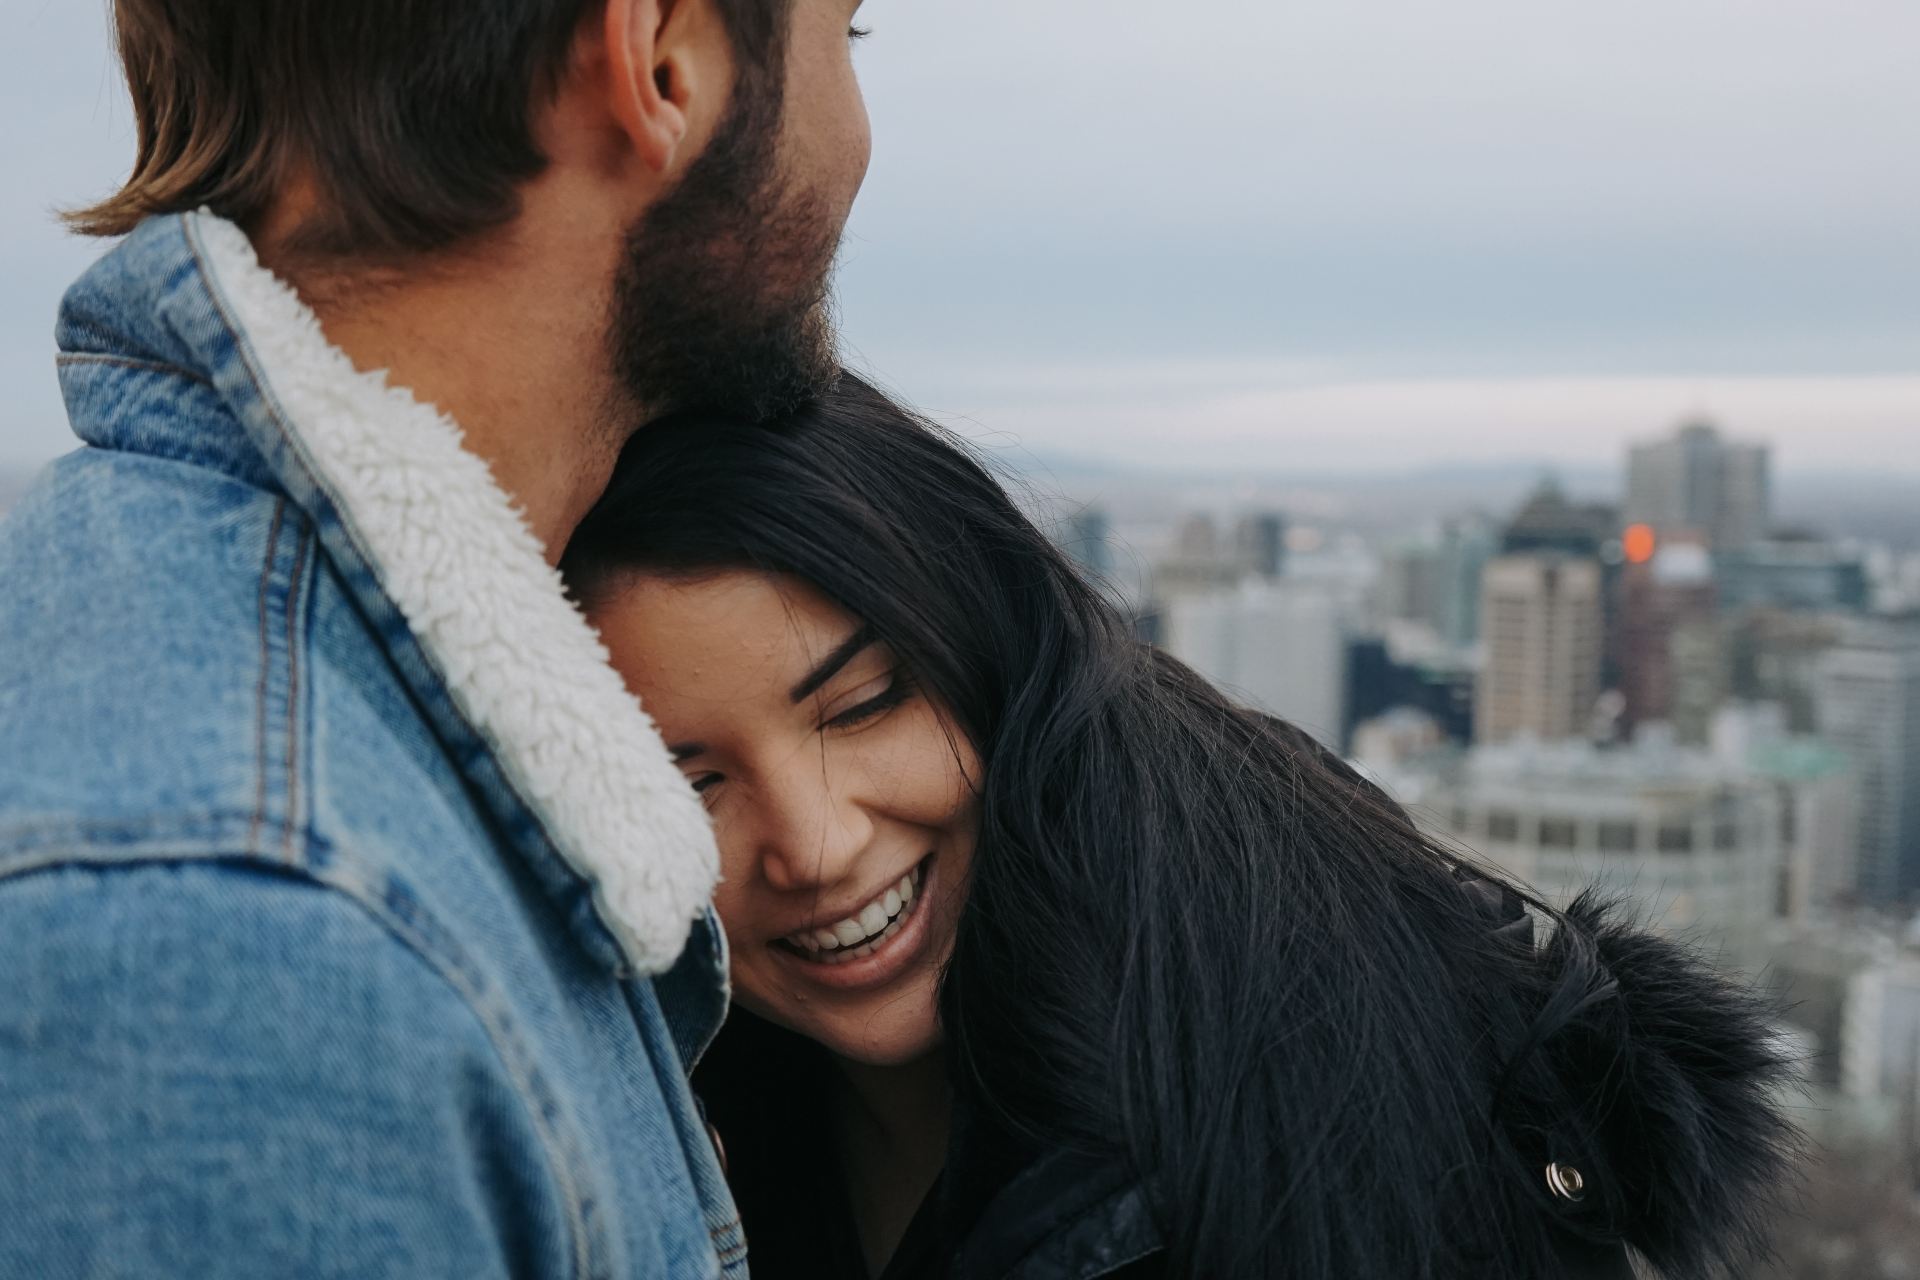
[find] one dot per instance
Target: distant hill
(1872, 507)
(1863, 505)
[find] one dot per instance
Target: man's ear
(659, 59)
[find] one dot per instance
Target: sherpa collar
(450, 550)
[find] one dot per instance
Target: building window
(1503, 825)
(1726, 836)
(1557, 833)
(1675, 838)
(1618, 837)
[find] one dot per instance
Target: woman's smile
(870, 947)
(842, 799)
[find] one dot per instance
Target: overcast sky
(1274, 233)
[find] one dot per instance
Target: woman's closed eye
(870, 701)
(858, 707)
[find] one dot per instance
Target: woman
(1050, 961)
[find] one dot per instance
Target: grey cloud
(1480, 189)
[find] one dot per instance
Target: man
(353, 919)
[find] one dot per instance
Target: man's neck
(513, 350)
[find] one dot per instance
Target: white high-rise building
(1696, 482)
(1694, 844)
(1280, 646)
(1467, 542)
(1880, 1030)
(1867, 703)
(1816, 796)
(1541, 623)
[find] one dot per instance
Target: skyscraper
(1278, 646)
(1867, 703)
(1549, 520)
(1408, 586)
(1467, 542)
(1696, 482)
(1260, 543)
(1086, 536)
(1671, 663)
(1542, 626)
(1792, 571)
(1815, 798)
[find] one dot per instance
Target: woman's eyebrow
(682, 751)
(830, 666)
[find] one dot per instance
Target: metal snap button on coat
(1566, 1182)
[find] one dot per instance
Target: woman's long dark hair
(1196, 942)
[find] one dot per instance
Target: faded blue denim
(294, 983)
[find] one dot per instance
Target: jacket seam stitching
(356, 891)
(260, 687)
(27, 847)
(498, 1037)
(295, 596)
(129, 362)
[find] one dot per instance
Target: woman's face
(842, 798)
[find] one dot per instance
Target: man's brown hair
(415, 117)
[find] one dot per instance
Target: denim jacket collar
(569, 766)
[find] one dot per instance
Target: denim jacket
(353, 919)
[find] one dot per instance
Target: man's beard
(721, 301)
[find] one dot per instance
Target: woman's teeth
(862, 933)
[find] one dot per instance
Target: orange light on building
(1637, 543)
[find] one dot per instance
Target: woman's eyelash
(894, 694)
(859, 33)
(898, 690)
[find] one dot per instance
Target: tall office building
(1260, 543)
(1279, 646)
(1816, 801)
(1549, 520)
(1746, 496)
(1880, 1037)
(1086, 536)
(1542, 627)
(1467, 542)
(1799, 572)
(1196, 564)
(1671, 662)
(1773, 655)
(1867, 703)
(1697, 482)
(1202, 558)
(1439, 686)
(1408, 587)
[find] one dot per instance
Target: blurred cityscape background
(1523, 399)
(1668, 681)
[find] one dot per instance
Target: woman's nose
(813, 830)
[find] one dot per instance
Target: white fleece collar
(523, 666)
